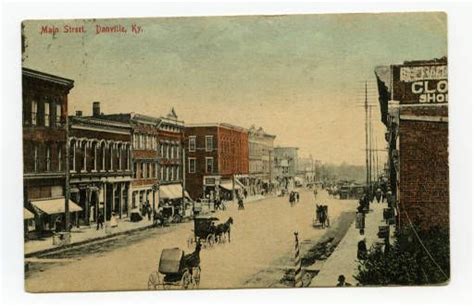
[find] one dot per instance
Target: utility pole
(366, 140)
(67, 188)
(183, 159)
(370, 148)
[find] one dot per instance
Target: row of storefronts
(414, 106)
(105, 165)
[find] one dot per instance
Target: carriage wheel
(211, 239)
(186, 280)
(153, 281)
(196, 276)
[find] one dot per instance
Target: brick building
(217, 158)
(145, 155)
(100, 167)
(414, 104)
(45, 130)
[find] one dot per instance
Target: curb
(76, 244)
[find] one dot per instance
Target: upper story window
(46, 114)
(192, 143)
(60, 158)
(209, 142)
(209, 165)
(58, 114)
(48, 158)
(35, 157)
(192, 165)
(34, 112)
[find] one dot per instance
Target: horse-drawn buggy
(177, 270)
(322, 216)
(208, 233)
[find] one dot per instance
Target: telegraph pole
(366, 107)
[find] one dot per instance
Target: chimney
(96, 108)
(78, 113)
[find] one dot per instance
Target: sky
(300, 77)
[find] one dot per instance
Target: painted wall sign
(420, 83)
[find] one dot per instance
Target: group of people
(294, 197)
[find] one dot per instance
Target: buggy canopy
(170, 260)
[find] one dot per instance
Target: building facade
(171, 159)
(260, 160)
(285, 164)
(217, 160)
(145, 155)
(414, 105)
(45, 131)
(100, 167)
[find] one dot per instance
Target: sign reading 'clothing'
(420, 83)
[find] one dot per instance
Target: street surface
(261, 237)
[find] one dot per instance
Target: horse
(224, 229)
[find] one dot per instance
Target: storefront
(50, 213)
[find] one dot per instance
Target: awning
(172, 191)
(228, 186)
(55, 206)
(239, 183)
(27, 214)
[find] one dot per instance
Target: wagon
(176, 270)
(321, 217)
(203, 231)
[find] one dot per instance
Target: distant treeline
(342, 171)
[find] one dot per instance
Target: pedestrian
(297, 197)
(148, 211)
(362, 248)
(100, 221)
(58, 224)
(341, 281)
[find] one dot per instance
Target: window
(35, 153)
(48, 158)
(192, 143)
(162, 150)
(171, 173)
(58, 114)
(162, 173)
(144, 170)
(209, 165)
(46, 114)
(60, 156)
(168, 149)
(209, 142)
(192, 165)
(34, 112)
(178, 174)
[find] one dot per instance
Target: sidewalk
(85, 234)
(343, 261)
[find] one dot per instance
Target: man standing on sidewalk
(100, 221)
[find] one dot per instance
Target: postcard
(235, 152)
